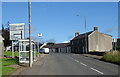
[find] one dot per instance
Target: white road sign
(17, 31)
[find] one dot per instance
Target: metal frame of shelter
(24, 51)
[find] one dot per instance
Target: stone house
(92, 41)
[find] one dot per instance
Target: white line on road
(97, 71)
(83, 64)
(76, 60)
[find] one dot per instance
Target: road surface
(70, 64)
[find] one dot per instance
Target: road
(70, 64)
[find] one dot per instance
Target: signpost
(16, 33)
(39, 35)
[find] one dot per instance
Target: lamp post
(85, 32)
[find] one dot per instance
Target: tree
(6, 36)
(50, 43)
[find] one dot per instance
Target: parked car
(44, 50)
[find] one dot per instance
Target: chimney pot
(95, 28)
(76, 34)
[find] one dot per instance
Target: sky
(58, 21)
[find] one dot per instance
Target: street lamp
(85, 32)
(39, 35)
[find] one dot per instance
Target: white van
(44, 50)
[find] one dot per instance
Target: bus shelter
(24, 51)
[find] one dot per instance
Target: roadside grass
(6, 70)
(37, 54)
(0, 67)
(5, 62)
(16, 53)
(8, 61)
(9, 53)
(112, 57)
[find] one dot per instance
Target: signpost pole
(12, 50)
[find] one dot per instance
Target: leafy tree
(50, 43)
(6, 36)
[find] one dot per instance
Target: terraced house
(92, 41)
(59, 48)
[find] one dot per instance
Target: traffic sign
(17, 31)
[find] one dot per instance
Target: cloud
(66, 41)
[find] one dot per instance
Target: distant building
(116, 42)
(92, 41)
(59, 48)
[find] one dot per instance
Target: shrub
(117, 48)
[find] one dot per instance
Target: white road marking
(97, 70)
(83, 64)
(76, 60)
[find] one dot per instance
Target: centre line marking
(83, 64)
(76, 60)
(97, 71)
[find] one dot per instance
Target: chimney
(76, 34)
(95, 28)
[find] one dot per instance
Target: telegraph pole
(29, 22)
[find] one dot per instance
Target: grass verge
(9, 53)
(8, 61)
(113, 57)
(6, 70)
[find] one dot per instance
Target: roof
(105, 34)
(82, 35)
(59, 45)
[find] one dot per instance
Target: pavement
(22, 67)
(92, 56)
(70, 64)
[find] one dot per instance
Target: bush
(112, 57)
(117, 48)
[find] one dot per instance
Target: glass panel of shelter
(24, 51)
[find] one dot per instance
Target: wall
(62, 50)
(99, 42)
